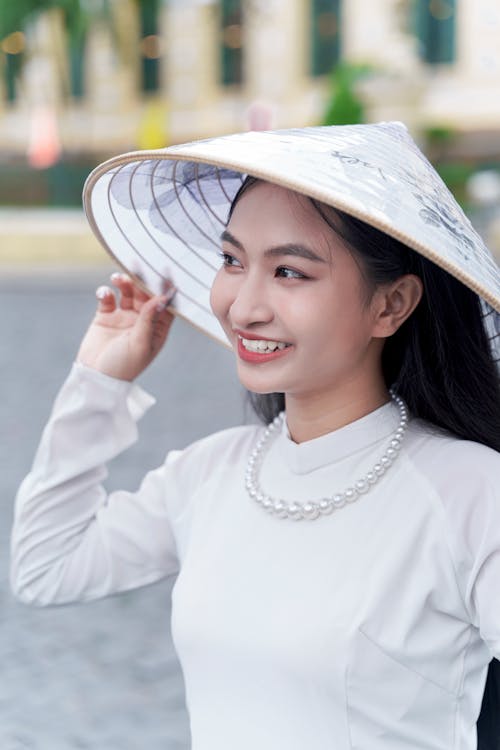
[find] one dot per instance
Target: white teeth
(258, 345)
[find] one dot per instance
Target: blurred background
(82, 80)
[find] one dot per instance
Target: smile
(259, 351)
(262, 345)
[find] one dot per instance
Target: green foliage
(345, 106)
(439, 135)
(455, 174)
(77, 14)
(16, 14)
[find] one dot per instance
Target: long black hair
(440, 362)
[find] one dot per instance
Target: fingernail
(117, 276)
(165, 300)
(102, 292)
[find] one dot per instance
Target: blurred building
(141, 74)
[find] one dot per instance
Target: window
(325, 35)
(150, 44)
(435, 22)
(231, 16)
(76, 53)
(11, 50)
(12, 70)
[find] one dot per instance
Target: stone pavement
(104, 675)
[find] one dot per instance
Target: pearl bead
(350, 494)
(310, 510)
(313, 509)
(325, 506)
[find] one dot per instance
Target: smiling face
(293, 302)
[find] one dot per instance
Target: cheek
(220, 296)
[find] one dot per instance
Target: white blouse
(369, 629)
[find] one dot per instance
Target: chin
(252, 385)
(261, 391)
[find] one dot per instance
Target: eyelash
(227, 257)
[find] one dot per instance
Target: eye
(229, 260)
(289, 273)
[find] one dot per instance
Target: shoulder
(461, 476)
(441, 457)
(231, 442)
(214, 453)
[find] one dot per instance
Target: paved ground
(104, 675)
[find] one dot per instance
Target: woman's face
(286, 278)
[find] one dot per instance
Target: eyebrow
(289, 248)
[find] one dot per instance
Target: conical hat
(160, 213)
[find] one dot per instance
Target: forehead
(272, 209)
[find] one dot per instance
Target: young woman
(371, 622)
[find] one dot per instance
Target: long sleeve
(466, 476)
(71, 541)
(475, 528)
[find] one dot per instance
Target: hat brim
(160, 213)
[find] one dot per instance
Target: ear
(395, 303)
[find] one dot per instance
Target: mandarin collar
(302, 458)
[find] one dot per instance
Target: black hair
(439, 361)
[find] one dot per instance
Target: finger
(154, 324)
(164, 300)
(132, 296)
(140, 295)
(139, 283)
(124, 283)
(166, 285)
(106, 300)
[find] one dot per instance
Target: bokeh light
(152, 46)
(14, 43)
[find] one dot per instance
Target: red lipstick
(257, 358)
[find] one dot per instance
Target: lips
(262, 345)
(258, 355)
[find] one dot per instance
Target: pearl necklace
(313, 509)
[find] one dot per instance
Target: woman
(371, 623)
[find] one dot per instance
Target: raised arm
(70, 540)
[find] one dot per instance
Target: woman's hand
(126, 335)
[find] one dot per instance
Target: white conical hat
(161, 213)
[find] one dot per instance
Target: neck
(310, 416)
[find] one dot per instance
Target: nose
(251, 304)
